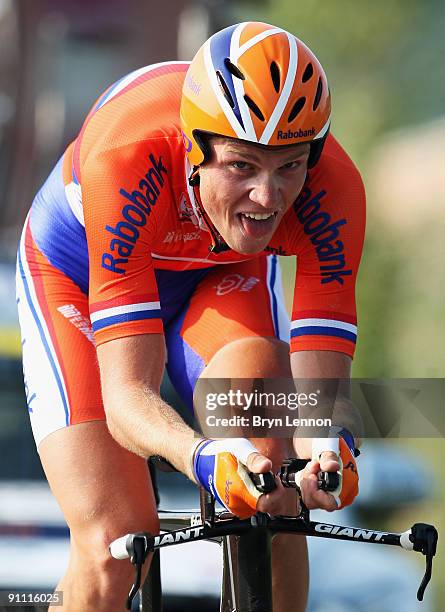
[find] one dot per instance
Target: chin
(245, 247)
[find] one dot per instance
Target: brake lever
(424, 538)
(138, 546)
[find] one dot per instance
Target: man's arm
(320, 365)
(328, 365)
(131, 371)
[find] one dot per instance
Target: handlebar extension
(289, 476)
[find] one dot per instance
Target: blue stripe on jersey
(125, 317)
(219, 50)
(44, 340)
(273, 276)
(57, 232)
(315, 330)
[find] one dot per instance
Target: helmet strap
(218, 244)
(194, 177)
(316, 149)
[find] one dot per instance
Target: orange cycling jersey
(118, 206)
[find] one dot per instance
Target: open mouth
(257, 225)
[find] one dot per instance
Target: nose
(265, 191)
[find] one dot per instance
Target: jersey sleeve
(327, 233)
(122, 189)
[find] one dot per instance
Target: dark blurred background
(385, 63)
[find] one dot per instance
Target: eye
(293, 165)
(239, 165)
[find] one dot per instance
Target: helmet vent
(254, 108)
(225, 89)
(233, 69)
(296, 109)
(308, 72)
(317, 95)
(275, 74)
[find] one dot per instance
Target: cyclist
(156, 234)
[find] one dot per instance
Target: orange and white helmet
(258, 83)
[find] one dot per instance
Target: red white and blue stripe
(324, 323)
(112, 312)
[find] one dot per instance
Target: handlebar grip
(265, 483)
(328, 481)
(118, 548)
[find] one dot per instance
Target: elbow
(112, 424)
(115, 427)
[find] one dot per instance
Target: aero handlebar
(209, 524)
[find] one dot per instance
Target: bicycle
(246, 586)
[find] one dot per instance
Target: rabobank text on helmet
(297, 134)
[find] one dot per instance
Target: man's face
(246, 190)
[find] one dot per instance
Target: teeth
(259, 216)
